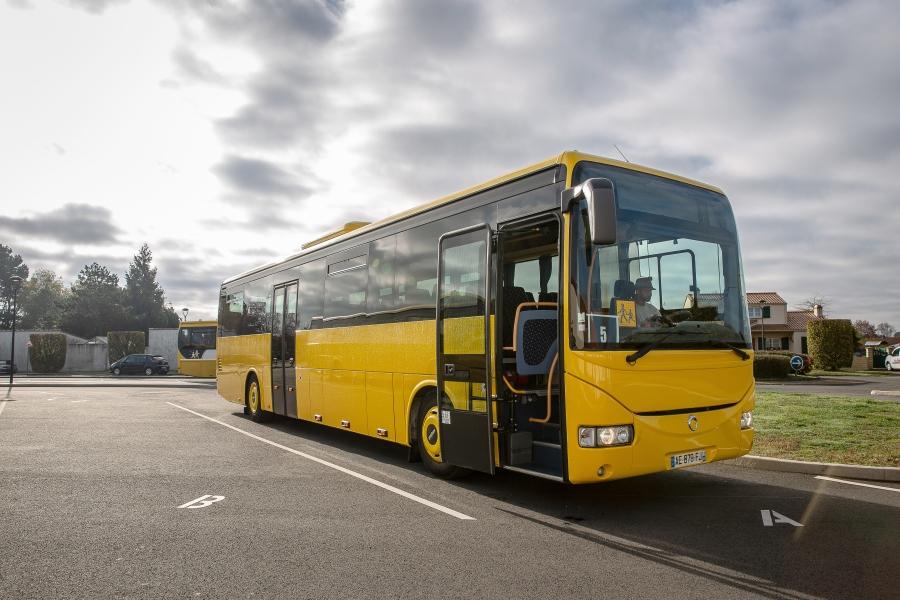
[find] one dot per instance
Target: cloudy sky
(225, 133)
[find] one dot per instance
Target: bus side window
(231, 307)
(257, 310)
(416, 259)
(381, 275)
(312, 282)
(345, 285)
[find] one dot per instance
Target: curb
(812, 382)
(172, 385)
(783, 465)
(885, 392)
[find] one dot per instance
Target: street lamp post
(15, 281)
(185, 311)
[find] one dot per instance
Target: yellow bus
(580, 320)
(197, 348)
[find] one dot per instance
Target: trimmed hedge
(768, 365)
(47, 352)
(831, 343)
(807, 360)
(123, 343)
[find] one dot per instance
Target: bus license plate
(686, 459)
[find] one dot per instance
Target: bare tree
(864, 329)
(811, 303)
(885, 330)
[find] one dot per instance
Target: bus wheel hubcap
(430, 439)
(254, 400)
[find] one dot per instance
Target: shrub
(123, 343)
(831, 343)
(770, 365)
(47, 352)
(807, 361)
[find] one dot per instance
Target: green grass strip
(825, 428)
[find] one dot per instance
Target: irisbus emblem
(693, 423)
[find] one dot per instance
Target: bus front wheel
(253, 406)
(429, 442)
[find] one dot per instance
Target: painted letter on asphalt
(202, 501)
(769, 521)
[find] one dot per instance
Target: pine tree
(145, 299)
(10, 264)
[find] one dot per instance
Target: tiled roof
(707, 299)
(770, 328)
(768, 297)
(797, 320)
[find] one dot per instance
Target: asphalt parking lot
(140, 492)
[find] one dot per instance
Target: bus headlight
(746, 420)
(598, 437)
(587, 437)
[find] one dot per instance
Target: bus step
(547, 454)
(548, 435)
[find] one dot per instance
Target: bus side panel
(345, 399)
(380, 405)
(238, 356)
(379, 365)
(316, 392)
(401, 403)
(304, 404)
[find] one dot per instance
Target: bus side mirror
(600, 197)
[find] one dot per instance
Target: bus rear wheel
(253, 406)
(429, 442)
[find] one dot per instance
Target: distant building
(774, 327)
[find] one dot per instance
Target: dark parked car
(146, 364)
(4, 367)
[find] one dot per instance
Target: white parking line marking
(2, 405)
(868, 485)
(74, 401)
(365, 478)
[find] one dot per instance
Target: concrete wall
(80, 355)
(164, 342)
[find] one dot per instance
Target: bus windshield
(673, 278)
(194, 341)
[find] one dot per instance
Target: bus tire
(429, 443)
(253, 400)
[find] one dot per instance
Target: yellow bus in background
(580, 320)
(197, 348)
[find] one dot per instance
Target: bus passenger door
(463, 355)
(284, 332)
(290, 335)
(278, 351)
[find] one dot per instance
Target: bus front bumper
(661, 442)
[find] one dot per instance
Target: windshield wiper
(633, 358)
(723, 344)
